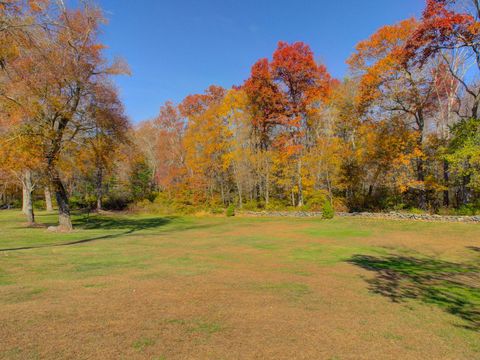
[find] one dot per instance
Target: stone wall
(390, 215)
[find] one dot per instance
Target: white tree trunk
(48, 199)
(27, 196)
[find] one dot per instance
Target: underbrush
(187, 204)
(166, 205)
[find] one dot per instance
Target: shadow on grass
(119, 223)
(76, 242)
(453, 287)
(109, 223)
(86, 221)
(474, 248)
(135, 225)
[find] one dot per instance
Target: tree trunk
(27, 196)
(48, 199)
(464, 190)
(267, 183)
(422, 196)
(267, 191)
(239, 190)
(300, 185)
(240, 198)
(99, 203)
(24, 198)
(222, 192)
(99, 190)
(260, 190)
(475, 106)
(64, 218)
(446, 177)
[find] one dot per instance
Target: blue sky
(180, 47)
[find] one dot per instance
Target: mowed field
(147, 287)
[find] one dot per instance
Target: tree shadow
(119, 223)
(76, 242)
(113, 223)
(474, 248)
(454, 287)
(134, 225)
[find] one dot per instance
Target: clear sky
(180, 47)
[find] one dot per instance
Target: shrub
(316, 201)
(216, 211)
(467, 210)
(117, 202)
(251, 205)
(39, 204)
(230, 210)
(77, 203)
(416, 211)
(276, 205)
(340, 204)
(163, 204)
(327, 210)
(16, 203)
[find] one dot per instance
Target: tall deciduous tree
(18, 155)
(205, 141)
(450, 29)
(392, 85)
(267, 106)
(59, 73)
(170, 127)
(303, 83)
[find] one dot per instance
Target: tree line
(401, 131)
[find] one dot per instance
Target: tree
(464, 154)
(267, 103)
(206, 142)
(449, 30)
(303, 83)
(267, 107)
(59, 75)
(169, 152)
(17, 154)
(241, 158)
(391, 85)
(110, 127)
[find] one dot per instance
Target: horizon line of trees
(401, 131)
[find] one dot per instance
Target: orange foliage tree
(54, 81)
(391, 85)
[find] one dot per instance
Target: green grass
(333, 231)
(205, 327)
(331, 254)
(22, 295)
(260, 242)
(291, 290)
(143, 343)
(197, 326)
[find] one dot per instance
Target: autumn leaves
(378, 139)
(56, 89)
(400, 131)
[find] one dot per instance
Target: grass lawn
(147, 287)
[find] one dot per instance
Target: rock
(390, 215)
